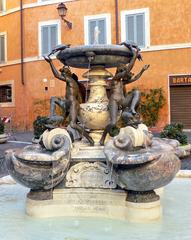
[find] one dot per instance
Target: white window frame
(5, 35)
(147, 24)
(4, 6)
(107, 16)
(40, 25)
(9, 104)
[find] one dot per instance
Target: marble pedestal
(105, 203)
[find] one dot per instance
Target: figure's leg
(74, 110)
(62, 103)
(111, 127)
(53, 102)
(130, 106)
(135, 101)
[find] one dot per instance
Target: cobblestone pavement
(21, 139)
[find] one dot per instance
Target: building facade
(29, 29)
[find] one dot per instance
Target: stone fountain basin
(105, 55)
(36, 168)
(35, 154)
(144, 169)
(151, 175)
(175, 223)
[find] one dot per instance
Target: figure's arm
(54, 70)
(139, 74)
(128, 68)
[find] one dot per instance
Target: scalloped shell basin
(175, 223)
(105, 55)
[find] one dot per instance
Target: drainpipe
(117, 21)
(22, 41)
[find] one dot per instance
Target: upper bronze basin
(105, 55)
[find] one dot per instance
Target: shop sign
(177, 80)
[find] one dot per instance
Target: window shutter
(130, 28)
(53, 37)
(140, 23)
(1, 6)
(102, 29)
(91, 29)
(135, 28)
(2, 48)
(49, 38)
(44, 40)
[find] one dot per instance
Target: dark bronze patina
(119, 99)
(73, 98)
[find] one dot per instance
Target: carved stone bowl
(36, 168)
(150, 175)
(145, 169)
(105, 55)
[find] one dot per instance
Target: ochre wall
(170, 23)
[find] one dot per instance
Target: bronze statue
(73, 98)
(118, 98)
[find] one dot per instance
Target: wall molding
(25, 60)
(166, 47)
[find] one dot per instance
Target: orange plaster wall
(17, 112)
(35, 74)
(12, 4)
(170, 21)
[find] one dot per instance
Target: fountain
(112, 171)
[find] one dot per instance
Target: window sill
(7, 104)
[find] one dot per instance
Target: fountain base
(105, 203)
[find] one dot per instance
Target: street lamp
(62, 10)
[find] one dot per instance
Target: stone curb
(184, 174)
(7, 180)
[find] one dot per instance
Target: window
(135, 27)
(6, 93)
(49, 36)
(2, 47)
(2, 5)
(97, 29)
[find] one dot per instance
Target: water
(175, 225)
